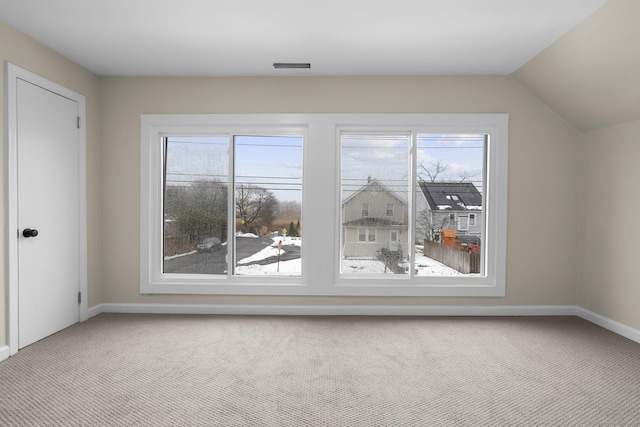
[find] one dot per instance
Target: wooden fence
(459, 260)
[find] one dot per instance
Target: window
(371, 234)
(366, 235)
(196, 188)
(374, 168)
(389, 211)
(267, 205)
(449, 175)
(222, 207)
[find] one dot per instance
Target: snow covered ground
(286, 268)
(272, 250)
(424, 266)
(429, 267)
(179, 255)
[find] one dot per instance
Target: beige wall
(609, 206)
(24, 52)
(543, 168)
(590, 77)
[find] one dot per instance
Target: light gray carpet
(130, 370)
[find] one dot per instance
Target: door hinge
(79, 297)
(78, 122)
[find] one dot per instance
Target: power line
(237, 176)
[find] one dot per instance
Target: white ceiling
(338, 37)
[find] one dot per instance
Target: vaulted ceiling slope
(591, 76)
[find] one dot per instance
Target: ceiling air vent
(278, 65)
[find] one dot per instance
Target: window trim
(152, 278)
(321, 174)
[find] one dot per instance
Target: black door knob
(28, 232)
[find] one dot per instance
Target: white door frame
(14, 73)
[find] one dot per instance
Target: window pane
(375, 174)
(195, 204)
(268, 204)
(449, 204)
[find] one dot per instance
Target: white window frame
(364, 212)
(472, 220)
(321, 263)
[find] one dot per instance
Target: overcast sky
(386, 158)
(275, 162)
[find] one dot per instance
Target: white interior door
(48, 198)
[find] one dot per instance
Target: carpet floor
(182, 370)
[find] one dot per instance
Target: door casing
(14, 73)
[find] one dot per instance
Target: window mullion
(231, 208)
(413, 178)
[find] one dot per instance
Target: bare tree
(433, 171)
(209, 196)
(431, 225)
(204, 195)
(289, 209)
(465, 176)
(255, 204)
(195, 211)
(436, 170)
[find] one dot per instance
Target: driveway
(215, 262)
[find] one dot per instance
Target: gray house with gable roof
(373, 218)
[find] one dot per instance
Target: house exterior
(453, 206)
(373, 218)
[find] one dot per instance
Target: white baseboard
(339, 310)
(610, 324)
(94, 311)
(4, 352)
